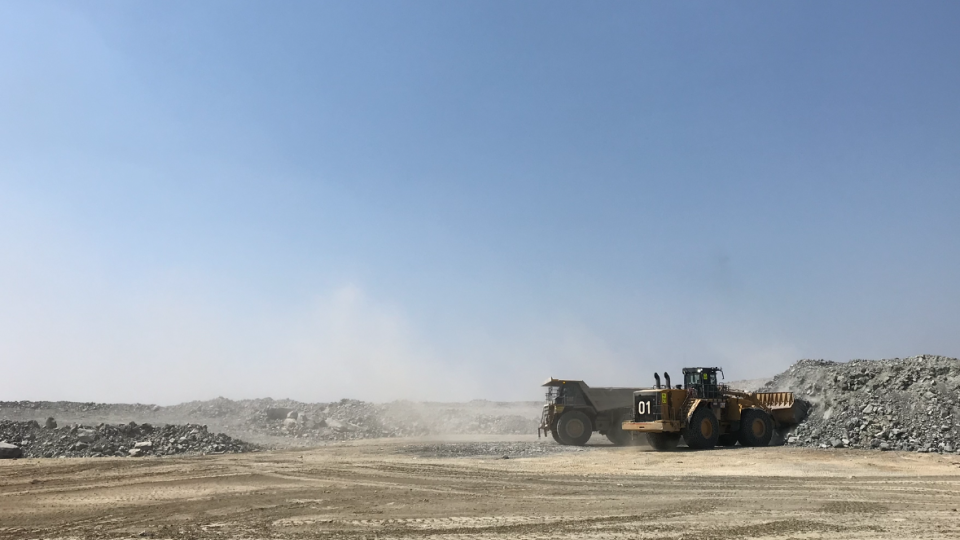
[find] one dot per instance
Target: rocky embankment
(286, 423)
(31, 439)
(909, 404)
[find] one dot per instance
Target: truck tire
(663, 441)
(574, 428)
(620, 437)
(703, 430)
(615, 432)
(756, 428)
(556, 436)
(727, 439)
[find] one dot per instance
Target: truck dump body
(603, 409)
(605, 399)
(581, 394)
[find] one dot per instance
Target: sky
(456, 200)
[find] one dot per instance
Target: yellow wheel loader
(706, 414)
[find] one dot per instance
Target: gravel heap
(285, 422)
(352, 419)
(910, 404)
(342, 420)
(116, 440)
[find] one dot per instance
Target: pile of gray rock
(31, 439)
(342, 420)
(909, 404)
(290, 423)
(353, 419)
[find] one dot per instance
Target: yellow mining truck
(706, 413)
(574, 410)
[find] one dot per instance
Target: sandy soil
(401, 489)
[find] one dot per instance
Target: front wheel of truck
(574, 428)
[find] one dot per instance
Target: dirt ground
(409, 489)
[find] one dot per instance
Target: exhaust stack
(657, 377)
(666, 376)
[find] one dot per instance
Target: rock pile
(292, 423)
(342, 420)
(10, 451)
(910, 404)
(116, 440)
(352, 419)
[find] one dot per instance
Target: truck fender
(693, 408)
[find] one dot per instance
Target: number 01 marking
(643, 407)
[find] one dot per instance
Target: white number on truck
(643, 407)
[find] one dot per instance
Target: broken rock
(10, 451)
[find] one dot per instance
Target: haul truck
(706, 413)
(574, 410)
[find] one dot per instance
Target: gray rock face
(277, 413)
(117, 440)
(910, 404)
(262, 419)
(352, 419)
(10, 451)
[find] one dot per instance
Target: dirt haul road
(402, 489)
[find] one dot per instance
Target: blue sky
(455, 200)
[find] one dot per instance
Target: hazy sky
(456, 200)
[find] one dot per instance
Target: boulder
(10, 451)
(278, 413)
(50, 423)
(86, 435)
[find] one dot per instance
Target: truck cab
(703, 382)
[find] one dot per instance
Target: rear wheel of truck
(574, 428)
(663, 441)
(703, 431)
(615, 432)
(756, 428)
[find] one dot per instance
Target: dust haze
(72, 330)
